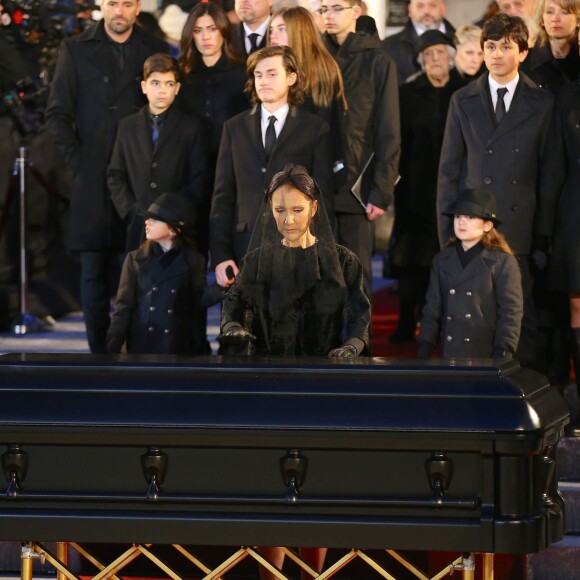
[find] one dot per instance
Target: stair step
(561, 561)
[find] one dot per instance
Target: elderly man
(403, 46)
(250, 34)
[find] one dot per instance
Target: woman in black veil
(298, 292)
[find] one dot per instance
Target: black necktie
(500, 106)
(270, 139)
(253, 41)
(155, 131)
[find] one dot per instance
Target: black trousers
(100, 272)
(527, 350)
(355, 232)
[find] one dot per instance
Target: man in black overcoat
(97, 83)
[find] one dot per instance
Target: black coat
(477, 309)
(503, 159)
(243, 175)
(300, 329)
(157, 310)
(549, 72)
(561, 180)
(214, 95)
(404, 46)
(138, 174)
(372, 123)
(423, 115)
(88, 98)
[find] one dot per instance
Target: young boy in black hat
(158, 306)
(474, 301)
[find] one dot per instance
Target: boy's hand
(374, 212)
(223, 273)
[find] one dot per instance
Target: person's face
(207, 37)
(253, 12)
(161, 90)
(427, 13)
(293, 212)
(469, 230)
(469, 58)
(437, 61)
(272, 82)
(120, 16)
(517, 7)
(158, 231)
(278, 33)
(339, 17)
(558, 21)
(502, 59)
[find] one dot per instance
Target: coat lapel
(290, 125)
(519, 112)
(253, 125)
(476, 103)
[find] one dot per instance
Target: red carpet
(384, 321)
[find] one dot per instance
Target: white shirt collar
(280, 115)
(511, 88)
(260, 31)
(419, 29)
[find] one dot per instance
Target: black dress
(301, 309)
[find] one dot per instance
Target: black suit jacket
(504, 159)
(243, 174)
(239, 40)
(138, 174)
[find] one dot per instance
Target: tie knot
(501, 92)
(271, 120)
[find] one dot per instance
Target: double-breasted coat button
(105, 79)
(487, 181)
(468, 293)
(167, 331)
(173, 291)
(467, 340)
(449, 317)
(263, 170)
(452, 291)
(514, 208)
(516, 150)
(449, 339)
(514, 181)
(489, 151)
(155, 289)
(150, 329)
(152, 309)
(153, 185)
(170, 311)
(154, 164)
(468, 316)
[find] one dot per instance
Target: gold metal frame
(34, 550)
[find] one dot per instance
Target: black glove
(236, 335)
(540, 253)
(344, 351)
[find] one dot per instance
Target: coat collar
(453, 271)
(255, 130)
(149, 264)
(475, 98)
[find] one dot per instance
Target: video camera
(39, 21)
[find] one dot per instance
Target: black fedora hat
(431, 38)
(476, 203)
(172, 209)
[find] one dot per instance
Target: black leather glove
(540, 252)
(235, 335)
(344, 351)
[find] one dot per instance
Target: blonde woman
(469, 55)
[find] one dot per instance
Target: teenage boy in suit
(159, 149)
(494, 139)
(258, 143)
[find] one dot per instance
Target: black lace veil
(274, 275)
